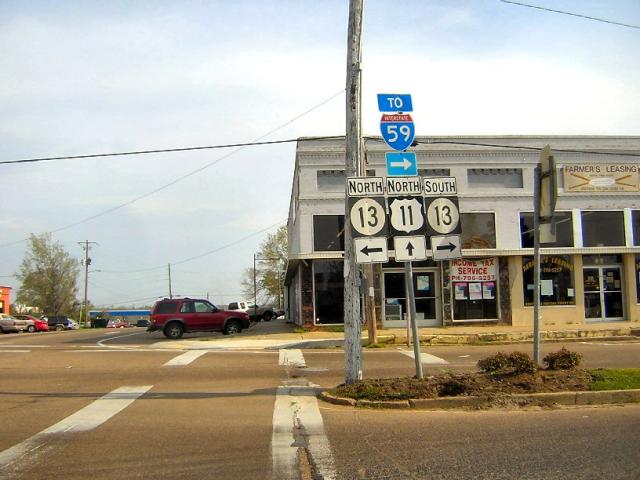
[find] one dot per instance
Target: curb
(604, 397)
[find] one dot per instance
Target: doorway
(603, 295)
(426, 285)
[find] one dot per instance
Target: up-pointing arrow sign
(410, 248)
(401, 164)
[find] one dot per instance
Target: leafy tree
(49, 276)
(270, 262)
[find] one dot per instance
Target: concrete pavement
(279, 334)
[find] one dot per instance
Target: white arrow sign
(404, 164)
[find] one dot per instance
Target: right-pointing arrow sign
(445, 247)
(451, 247)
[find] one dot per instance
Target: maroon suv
(178, 315)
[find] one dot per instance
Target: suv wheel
(173, 331)
(59, 327)
(232, 327)
(268, 316)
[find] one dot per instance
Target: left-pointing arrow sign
(367, 250)
(371, 249)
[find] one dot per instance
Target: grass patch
(615, 378)
(375, 345)
(300, 330)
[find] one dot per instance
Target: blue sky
(90, 77)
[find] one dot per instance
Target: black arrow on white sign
(451, 247)
(366, 250)
(410, 248)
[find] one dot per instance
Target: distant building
(131, 316)
(590, 273)
(5, 299)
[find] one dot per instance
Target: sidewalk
(278, 334)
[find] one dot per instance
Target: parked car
(143, 323)
(10, 324)
(179, 315)
(40, 325)
(60, 322)
(117, 324)
(256, 312)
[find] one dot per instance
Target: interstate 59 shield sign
(397, 130)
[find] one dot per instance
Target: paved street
(129, 404)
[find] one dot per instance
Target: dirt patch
(467, 384)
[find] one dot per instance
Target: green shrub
(521, 363)
(494, 363)
(514, 362)
(563, 359)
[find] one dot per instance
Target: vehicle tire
(232, 327)
(173, 330)
(267, 316)
(59, 328)
(31, 328)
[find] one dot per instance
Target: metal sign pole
(536, 265)
(408, 279)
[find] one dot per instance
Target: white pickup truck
(255, 312)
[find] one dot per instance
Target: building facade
(5, 300)
(589, 273)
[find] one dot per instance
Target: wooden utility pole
(352, 314)
(84, 311)
(169, 270)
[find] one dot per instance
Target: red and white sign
(465, 270)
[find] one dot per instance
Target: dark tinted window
(328, 233)
(564, 230)
(166, 307)
(603, 229)
(635, 220)
(478, 230)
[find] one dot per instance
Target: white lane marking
(23, 346)
(101, 342)
(291, 358)
(296, 420)
(426, 358)
(185, 359)
(88, 418)
(15, 351)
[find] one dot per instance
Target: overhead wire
(189, 174)
(572, 14)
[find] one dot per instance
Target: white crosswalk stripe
(425, 358)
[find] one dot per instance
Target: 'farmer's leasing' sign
(601, 178)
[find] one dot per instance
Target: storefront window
(564, 230)
(635, 221)
(328, 233)
(474, 289)
(329, 291)
(478, 230)
(556, 280)
(603, 229)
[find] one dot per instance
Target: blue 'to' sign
(397, 130)
(395, 102)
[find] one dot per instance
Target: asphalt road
(175, 414)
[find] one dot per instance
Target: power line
(195, 257)
(193, 172)
(164, 150)
(562, 12)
